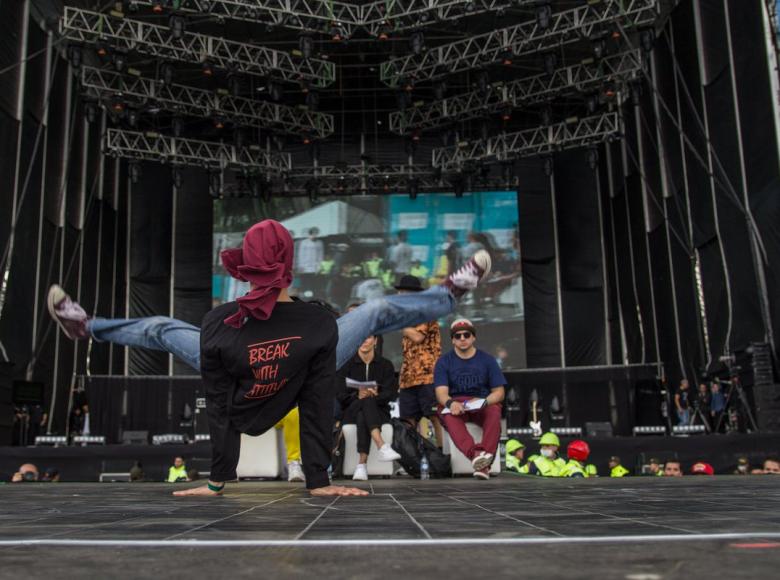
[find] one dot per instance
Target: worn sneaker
(469, 275)
(387, 453)
(481, 461)
(483, 473)
(70, 317)
(295, 472)
(361, 473)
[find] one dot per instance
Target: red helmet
(578, 450)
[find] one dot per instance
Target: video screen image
(353, 248)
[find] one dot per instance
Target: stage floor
(632, 528)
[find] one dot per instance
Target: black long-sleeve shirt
(380, 370)
(256, 374)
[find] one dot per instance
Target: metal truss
(321, 16)
(478, 51)
(145, 38)
(365, 178)
(182, 152)
(99, 83)
(536, 141)
(580, 78)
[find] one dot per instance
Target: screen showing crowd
(353, 248)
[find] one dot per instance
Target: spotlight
(74, 54)
(593, 158)
(176, 25)
(550, 63)
(599, 48)
(547, 166)
(417, 43)
(276, 91)
(119, 61)
(507, 174)
(610, 92)
(543, 16)
(306, 46)
(135, 172)
(457, 187)
(416, 136)
(215, 184)
(506, 114)
(440, 90)
(404, 99)
(177, 126)
(90, 112)
(305, 87)
(166, 73)
(546, 116)
(178, 177)
(336, 33)
(157, 6)
(118, 107)
(407, 85)
(647, 39)
(591, 104)
(483, 81)
(484, 129)
(384, 32)
(101, 49)
(219, 123)
(306, 139)
(206, 68)
(507, 58)
(132, 118)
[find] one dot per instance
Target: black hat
(411, 283)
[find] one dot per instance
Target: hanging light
(176, 25)
(417, 43)
(166, 73)
(306, 46)
(543, 16)
(207, 70)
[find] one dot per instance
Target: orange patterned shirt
(419, 359)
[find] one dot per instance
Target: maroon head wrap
(265, 261)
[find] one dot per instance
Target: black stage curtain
(10, 53)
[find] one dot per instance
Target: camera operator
(27, 472)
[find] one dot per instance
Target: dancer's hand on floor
(337, 490)
(200, 491)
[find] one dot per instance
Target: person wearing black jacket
(368, 407)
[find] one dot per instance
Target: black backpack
(410, 445)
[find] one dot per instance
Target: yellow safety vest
(174, 474)
(618, 471)
(544, 467)
(513, 463)
(572, 468)
(591, 470)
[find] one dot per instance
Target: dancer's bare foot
(203, 491)
(337, 490)
(469, 275)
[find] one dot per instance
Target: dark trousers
(367, 415)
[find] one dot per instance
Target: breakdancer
(265, 353)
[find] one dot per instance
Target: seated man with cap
(578, 452)
(470, 388)
(515, 451)
(616, 469)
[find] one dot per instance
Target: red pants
(489, 418)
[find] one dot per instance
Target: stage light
(593, 158)
(506, 114)
(417, 43)
(132, 118)
(647, 39)
(636, 92)
(507, 174)
(234, 85)
(177, 126)
(548, 166)
(591, 103)
(74, 54)
(178, 177)
(134, 169)
(543, 16)
(404, 99)
(176, 24)
(55, 440)
(206, 68)
(119, 61)
(336, 33)
(276, 91)
(168, 439)
(219, 123)
(101, 49)
(85, 440)
(90, 112)
(166, 73)
(306, 46)
(313, 101)
(407, 85)
(306, 140)
(215, 184)
(440, 90)
(507, 58)
(470, 6)
(313, 189)
(599, 48)
(550, 63)
(157, 6)
(384, 32)
(483, 81)
(546, 115)
(118, 107)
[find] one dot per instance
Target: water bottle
(424, 467)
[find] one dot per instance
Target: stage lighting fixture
(90, 111)
(205, 5)
(166, 73)
(306, 46)
(101, 49)
(234, 85)
(219, 123)
(506, 58)
(591, 103)
(636, 92)
(176, 25)
(647, 39)
(135, 172)
(440, 90)
(132, 118)
(336, 33)
(610, 92)
(593, 158)
(506, 114)
(417, 43)
(119, 61)
(546, 115)
(507, 174)
(483, 81)
(484, 129)
(313, 101)
(74, 55)
(543, 16)
(178, 177)
(548, 166)
(157, 6)
(206, 68)
(306, 139)
(599, 48)
(118, 107)
(469, 6)
(215, 184)
(384, 32)
(407, 85)
(177, 126)
(550, 63)
(276, 91)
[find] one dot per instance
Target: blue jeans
(378, 316)
(684, 417)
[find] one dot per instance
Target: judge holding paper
(470, 388)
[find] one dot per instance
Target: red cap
(702, 468)
(578, 450)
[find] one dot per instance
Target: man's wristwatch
(449, 402)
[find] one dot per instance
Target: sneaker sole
(482, 463)
(480, 475)
(387, 459)
(52, 298)
(360, 479)
(484, 256)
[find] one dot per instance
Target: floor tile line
(411, 517)
(315, 520)
(503, 515)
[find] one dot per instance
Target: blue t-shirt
(473, 377)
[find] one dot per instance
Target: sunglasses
(459, 335)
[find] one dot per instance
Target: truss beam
(191, 152)
(181, 99)
(537, 141)
(565, 27)
(145, 38)
(580, 78)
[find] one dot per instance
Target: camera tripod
(698, 414)
(732, 410)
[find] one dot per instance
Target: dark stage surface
(637, 528)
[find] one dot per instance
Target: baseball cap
(701, 468)
(462, 324)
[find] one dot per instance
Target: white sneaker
(295, 472)
(361, 473)
(69, 315)
(482, 461)
(483, 473)
(470, 274)
(387, 453)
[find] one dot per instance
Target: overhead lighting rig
(564, 27)
(151, 39)
(584, 77)
(148, 146)
(107, 85)
(570, 134)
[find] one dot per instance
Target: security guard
(514, 455)
(577, 452)
(547, 463)
(591, 470)
(615, 469)
(177, 471)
